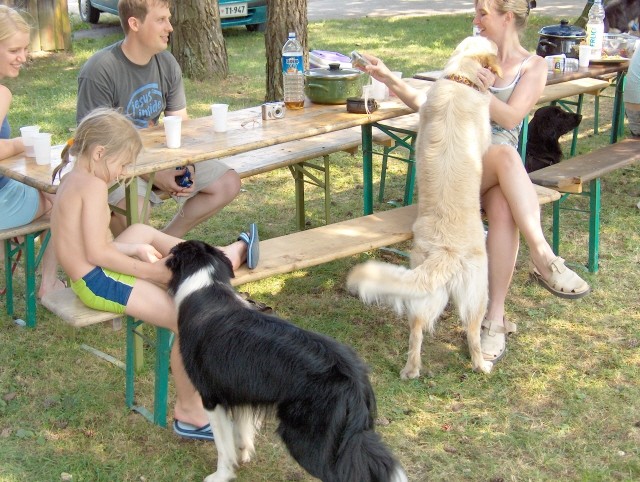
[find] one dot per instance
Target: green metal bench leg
(594, 224)
(30, 279)
(8, 276)
(164, 339)
(31, 262)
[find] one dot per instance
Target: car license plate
(230, 10)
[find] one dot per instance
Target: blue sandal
(253, 245)
(192, 432)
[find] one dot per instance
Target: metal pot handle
(318, 86)
(547, 43)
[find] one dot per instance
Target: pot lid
(563, 30)
(334, 72)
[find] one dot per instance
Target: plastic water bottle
(595, 29)
(292, 73)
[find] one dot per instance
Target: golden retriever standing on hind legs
(449, 258)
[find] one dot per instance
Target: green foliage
(561, 406)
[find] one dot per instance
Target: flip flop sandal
(493, 339)
(186, 430)
(253, 245)
(563, 282)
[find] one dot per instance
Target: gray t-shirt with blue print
(143, 92)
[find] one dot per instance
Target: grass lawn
(563, 405)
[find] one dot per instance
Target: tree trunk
(197, 42)
(49, 19)
(283, 16)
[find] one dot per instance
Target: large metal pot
(333, 85)
(560, 39)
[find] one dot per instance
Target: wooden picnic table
(246, 132)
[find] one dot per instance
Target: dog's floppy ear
(490, 61)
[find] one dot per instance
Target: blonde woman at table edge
(508, 197)
(121, 275)
(19, 204)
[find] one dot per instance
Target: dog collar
(461, 80)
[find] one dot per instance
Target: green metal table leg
(129, 384)
(574, 139)
(327, 190)
(298, 180)
(596, 114)
(617, 121)
(383, 172)
(133, 216)
(367, 168)
(594, 224)
(524, 137)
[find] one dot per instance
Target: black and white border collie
(246, 364)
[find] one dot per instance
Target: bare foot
(55, 286)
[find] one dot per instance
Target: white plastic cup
(219, 113)
(173, 131)
(27, 133)
(42, 148)
(584, 55)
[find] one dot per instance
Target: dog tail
(394, 285)
(366, 459)
(362, 456)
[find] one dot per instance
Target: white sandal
(563, 282)
(493, 338)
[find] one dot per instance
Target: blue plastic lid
(329, 57)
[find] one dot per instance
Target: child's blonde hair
(11, 22)
(102, 127)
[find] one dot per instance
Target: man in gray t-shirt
(139, 76)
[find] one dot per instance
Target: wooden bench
(16, 242)
(571, 176)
